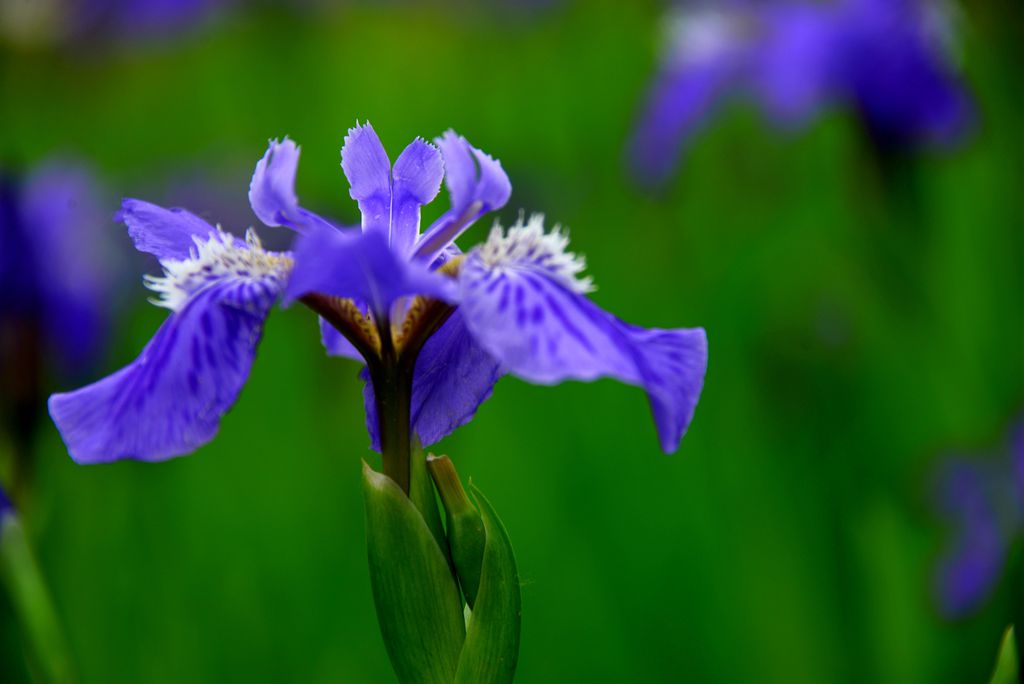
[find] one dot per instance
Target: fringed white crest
(527, 246)
(219, 259)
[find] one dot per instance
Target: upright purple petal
(170, 400)
(453, 377)
(272, 189)
(795, 67)
(523, 303)
(476, 184)
(164, 233)
(416, 178)
(361, 267)
(368, 169)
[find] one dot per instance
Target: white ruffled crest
(527, 246)
(219, 259)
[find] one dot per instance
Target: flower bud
(466, 535)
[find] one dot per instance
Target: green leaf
(466, 535)
(417, 600)
(1006, 663)
(41, 629)
(492, 637)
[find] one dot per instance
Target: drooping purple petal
(362, 267)
(416, 179)
(170, 400)
(707, 54)
(164, 233)
(896, 72)
(476, 185)
(272, 189)
(368, 170)
(453, 377)
(677, 105)
(968, 572)
(671, 365)
(522, 303)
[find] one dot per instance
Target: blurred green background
(855, 337)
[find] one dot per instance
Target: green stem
(393, 389)
(392, 386)
(49, 658)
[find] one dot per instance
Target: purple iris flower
(985, 503)
(54, 270)
(57, 280)
(886, 59)
(435, 327)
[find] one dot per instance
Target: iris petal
(477, 184)
(679, 101)
(368, 170)
(170, 400)
(416, 180)
(164, 233)
(272, 189)
(362, 267)
(798, 63)
(536, 322)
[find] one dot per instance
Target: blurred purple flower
(6, 507)
(985, 504)
(57, 280)
(55, 271)
(886, 59)
(515, 304)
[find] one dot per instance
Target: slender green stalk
(392, 387)
(43, 637)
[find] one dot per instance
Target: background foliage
(859, 329)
